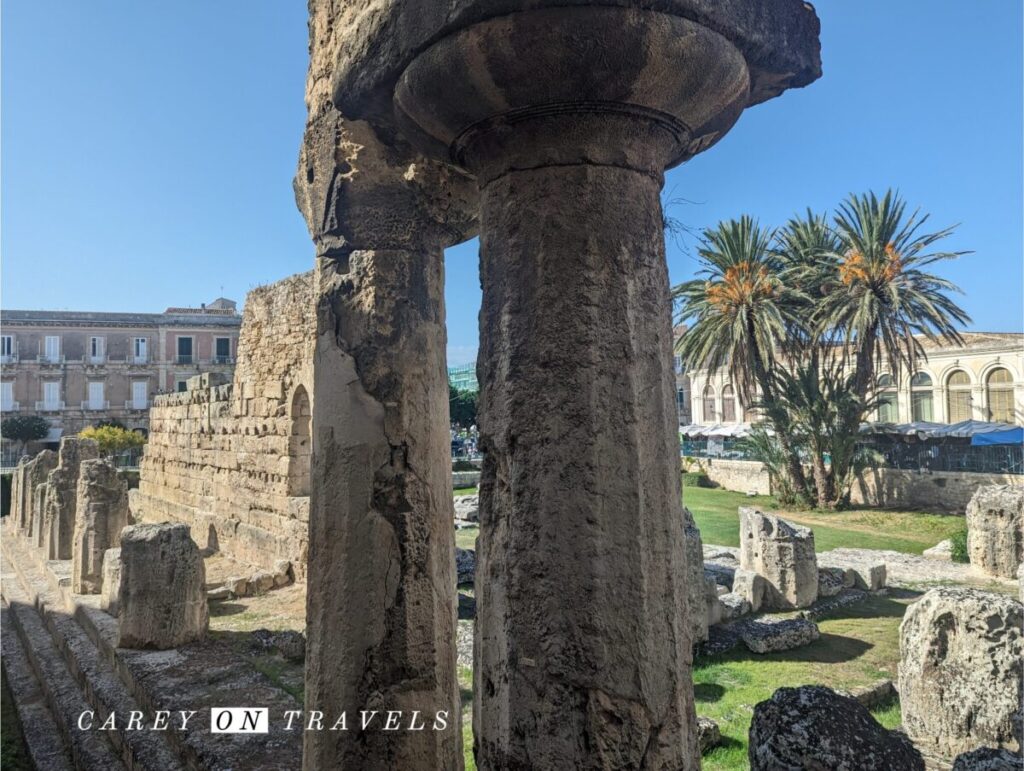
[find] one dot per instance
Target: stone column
(102, 515)
(380, 614)
(567, 118)
(62, 496)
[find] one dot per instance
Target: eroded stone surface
(467, 508)
(812, 727)
(696, 599)
(465, 566)
(783, 554)
(943, 550)
(766, 636)
(102, 514)
(960, 671)
(988, 759)
(111, 584)
(29, 475)
(61, 500)
(751, 586)
(162, 602)
(709, 735)
(867, 571)
(995, 529)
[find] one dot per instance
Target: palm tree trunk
(778, 417)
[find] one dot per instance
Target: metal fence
(939, 456)
(989, 459)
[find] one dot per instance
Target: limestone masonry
(231, 460)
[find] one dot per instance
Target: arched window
(958, 397)
(999, 388)
(709, 405)
(921, 397)
(300, 445)
(887, 410)
(728, 405)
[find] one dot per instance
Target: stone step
(89, 750)
(141, 750)
(42, 738)
(198, 676)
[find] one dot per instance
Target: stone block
(162, 600)
(942, 551)
(783, 554)
(831, 580)
(960, 675)
(751, 586)
(733, 606)
(467, 508)
(698, 612)
(813, 727)
(774, 636)
(995, 529)
(867, 574)
(709, 735)
(988, 759)
(465, 566)
(111, 589)
(102, 512)
(712, 605)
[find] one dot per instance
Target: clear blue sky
(148, 149)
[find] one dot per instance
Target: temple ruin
(548, 129)
(232, 460)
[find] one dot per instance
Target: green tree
(883, 293)
(462, 406)
(738, 313)
(112, 439)
(24, 428)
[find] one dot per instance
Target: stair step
(144, 750)
(89, 750)
(42, 738)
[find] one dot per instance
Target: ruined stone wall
(227, 459)
(947, 491)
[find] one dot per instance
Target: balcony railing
(222, 360)
(9, 358)
(186, 358)
(95, 406)
(45, 358)
(133, 405)
(49, 406)
(10, 406)
(143, 359)
(99, 359)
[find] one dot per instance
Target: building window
(182, 385)
(999, 387)
(709, 405)
(6, 348)
(728, 405)
(51, 350)
(51, 396)
(184, 350)
(139, 350)
(222, 350)
(958, 397)
(7, 396)
(96, 400)
(921, 398)
(140, 396)
(888, 412)
(97, 349)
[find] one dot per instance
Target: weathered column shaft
(380, 609)
(582, 648)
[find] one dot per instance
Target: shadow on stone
(225, 609)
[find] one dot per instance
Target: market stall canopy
(1010, 436)
(967, 429)
(716, 430)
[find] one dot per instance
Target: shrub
(959, 552)
(112, 439)
(697, 479)
(24, 428)
(463, 465)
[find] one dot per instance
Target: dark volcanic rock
(988, 759)
(815, 728)
(465, 565)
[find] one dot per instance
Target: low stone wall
(232, 460)
(742, 476)
(948, 491)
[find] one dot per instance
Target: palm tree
(883, 294)
(738, 314)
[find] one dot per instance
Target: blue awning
(1010, 436)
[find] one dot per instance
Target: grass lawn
(715, 512)
(859, 645)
